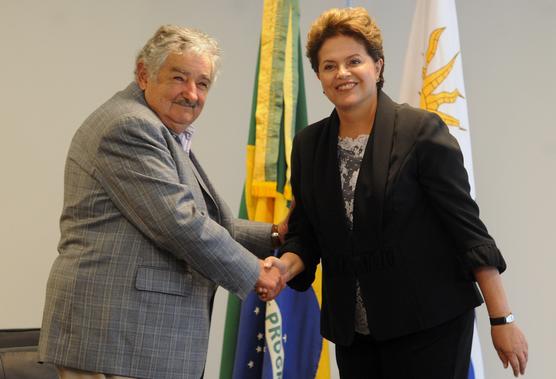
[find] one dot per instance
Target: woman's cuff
(481, 256)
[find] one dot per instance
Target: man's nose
(190, 91)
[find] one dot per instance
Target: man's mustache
(186, 103)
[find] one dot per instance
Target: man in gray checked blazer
(145, 239)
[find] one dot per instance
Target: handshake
(275, 273)
(272, 278)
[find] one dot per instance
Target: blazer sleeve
(300, 238)
(443, 176)
(136, 168)
(254, 236)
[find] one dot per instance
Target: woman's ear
(378, 67)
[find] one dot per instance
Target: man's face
(178, 93)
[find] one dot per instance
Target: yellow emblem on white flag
(430, 100)
(433, 72)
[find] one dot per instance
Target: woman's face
(348, 74)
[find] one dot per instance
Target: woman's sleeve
(300, 238)
(444, 179)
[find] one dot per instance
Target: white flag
(433, 80)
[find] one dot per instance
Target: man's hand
(271, 280)
(511, 346)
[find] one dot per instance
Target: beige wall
(62, 58)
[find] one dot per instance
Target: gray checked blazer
(139, 257)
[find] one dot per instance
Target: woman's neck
(357, 121)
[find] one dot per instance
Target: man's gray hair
(175, 39)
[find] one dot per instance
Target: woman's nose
(343, 71)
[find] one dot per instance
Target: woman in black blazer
(382, 200)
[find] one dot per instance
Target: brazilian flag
(281, 338)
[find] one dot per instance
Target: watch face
(510, 318)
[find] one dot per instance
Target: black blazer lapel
(373, 173)
(326, 179)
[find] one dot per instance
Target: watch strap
(275, 237)
(502, 320)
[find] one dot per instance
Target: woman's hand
(289, 265)
(269, 264)
(509, 341)
(511, 346)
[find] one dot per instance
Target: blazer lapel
(203, 180)
(193, 175)
(329, 200)
(198, 172)
(382, 147)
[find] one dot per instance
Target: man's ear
(142, 75)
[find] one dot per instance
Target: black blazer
(416, 230)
